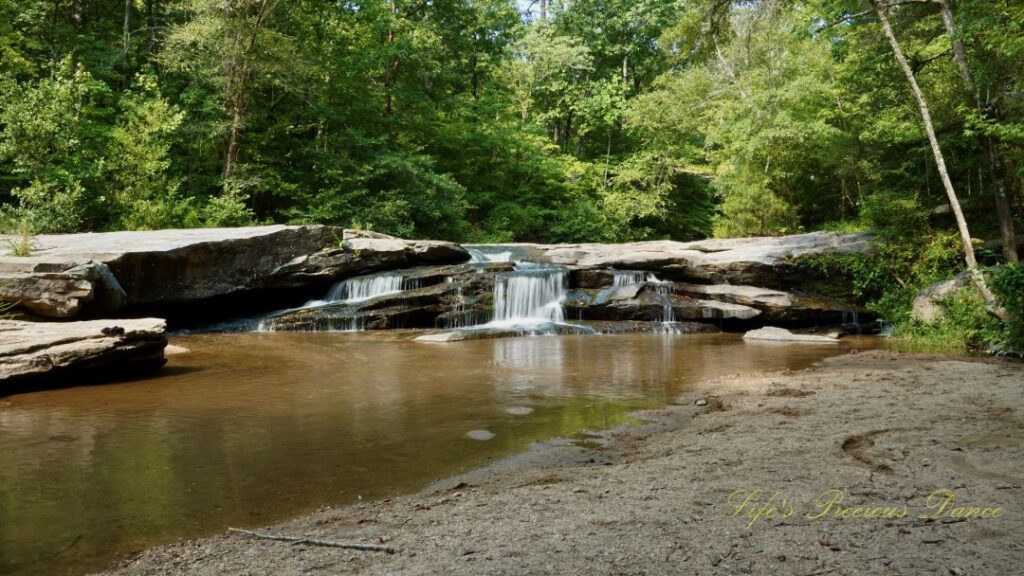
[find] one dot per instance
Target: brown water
(246, 429)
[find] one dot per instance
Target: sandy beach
(868, 463)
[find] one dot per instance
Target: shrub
(966, 326)
(1007, 283)
(25, 245)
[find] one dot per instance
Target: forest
(543, 121)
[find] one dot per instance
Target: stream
(305, 407)
(249, 428)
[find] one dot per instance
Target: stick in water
(315, 541)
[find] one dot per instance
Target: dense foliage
(497, 120)
(479, 120)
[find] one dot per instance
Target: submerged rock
(69, 350)
(773, 334)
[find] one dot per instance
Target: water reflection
(249, 428)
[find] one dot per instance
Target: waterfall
(851, 319)
(457, 314)
(479, 255)
(627, 277)
(371, 286)
(664, 289)
(531, 294)
(351, 291)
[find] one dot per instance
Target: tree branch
(920, 64)
(315, 541)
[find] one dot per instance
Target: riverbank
(886, 430)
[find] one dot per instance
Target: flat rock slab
(148, 270)
(60, 288)
(757, 261)
(38, 350)
(773, 334)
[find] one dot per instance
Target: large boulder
(928, 304)
(170, 270)
(59, 289)
(67, 353)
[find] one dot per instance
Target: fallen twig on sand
(316, 541)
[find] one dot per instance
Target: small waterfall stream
(664, 289)
(661, 287)
(362, 288)
(353, 291)
(530, 295)
(628, 277)
(483, 254)
(529, 298)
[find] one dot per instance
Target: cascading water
(627, 277)
(458, 316)
(530, 295)
(851, 320)
(480, 254)
(664, 289)
(363, 288)
(353, 291)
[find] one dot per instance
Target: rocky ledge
(176, 273)
(767, 262)
(457, 297)
(34, 352)
(726, 305)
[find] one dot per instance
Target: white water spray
(363, 288)
(530, 296)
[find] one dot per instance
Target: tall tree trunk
(239, 74)
(543, 10)
(237, 124)
(959, 54)
(126, 37)
(1003, 212)
(151, 24)
(940, 161)
(389, 80)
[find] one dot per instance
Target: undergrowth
(907, 256)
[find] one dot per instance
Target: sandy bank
(884, 431)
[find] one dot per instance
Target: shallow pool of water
(250, 428)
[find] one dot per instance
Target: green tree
(53, 147)
(145, 195)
